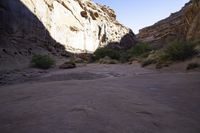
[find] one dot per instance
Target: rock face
(184, 25)
(80, 25)
(53, 27)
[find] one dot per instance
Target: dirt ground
(100, 99)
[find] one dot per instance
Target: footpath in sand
(102, 99)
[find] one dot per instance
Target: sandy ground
(100, 99)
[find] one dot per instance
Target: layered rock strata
(184, 25)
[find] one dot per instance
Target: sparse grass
(42, 61)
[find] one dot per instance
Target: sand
(100, 99)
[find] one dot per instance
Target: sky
(137, 14)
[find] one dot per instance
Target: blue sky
(137, 14)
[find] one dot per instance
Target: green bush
(42, 61)
(124, 57)
(179, 51)
(103, 52)
(140, 49)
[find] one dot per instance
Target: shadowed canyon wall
(184, 25)
(22, 35)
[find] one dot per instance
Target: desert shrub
(162, 57)
(124, 57)
(192, 66)
(103, 52)
(157, 55)
(108, 60)
(140, 49)
(147, 62)
(179, 51)
(42, 61)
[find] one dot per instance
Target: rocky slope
(184, 24)
(30, 27)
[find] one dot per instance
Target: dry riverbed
(100, 99)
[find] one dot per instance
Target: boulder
(67, 65)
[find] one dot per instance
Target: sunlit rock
(80, 25)
(184, 25)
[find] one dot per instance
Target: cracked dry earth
(102, 99)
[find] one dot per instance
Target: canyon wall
(184, 25)
(79, 25)
(29, 27)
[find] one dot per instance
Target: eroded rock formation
(184, 25)
(30, 27)
(80, 25)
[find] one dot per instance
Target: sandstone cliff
(30, 27)
(184, 24)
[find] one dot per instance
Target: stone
(78, 60)
(126, 42)
(67, 65)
